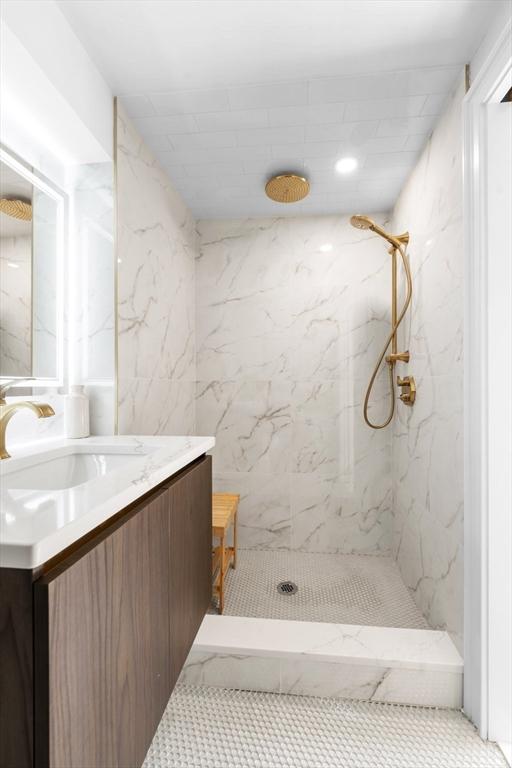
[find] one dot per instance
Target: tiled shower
(268, 344)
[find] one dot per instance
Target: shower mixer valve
(408, 387)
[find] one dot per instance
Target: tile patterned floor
(218, 728)
(343, 589)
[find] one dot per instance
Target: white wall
(56, 106)
(428, 438)
(502, 17)
(291, 314)
(157, 245)
(57, 116)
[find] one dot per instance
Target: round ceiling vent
(287, 188)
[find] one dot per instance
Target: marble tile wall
(305, 677)
(16, 316)
(157, 244)
(290, 314)
(428, 439)
(405, 666)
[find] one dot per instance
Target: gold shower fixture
(18, 209)
(406, 384)
(287, 188)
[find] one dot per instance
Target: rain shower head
(364, 222)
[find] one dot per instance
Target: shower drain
(287, 588)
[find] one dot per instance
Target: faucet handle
(6, 385)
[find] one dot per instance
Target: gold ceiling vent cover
(18, 209)
(287, 188)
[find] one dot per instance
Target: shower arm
(400, 245)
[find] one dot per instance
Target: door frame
(491, 84)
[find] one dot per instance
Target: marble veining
(428, 439)
(156, 296)
(404, 666)
(290, 314)
(16, 295)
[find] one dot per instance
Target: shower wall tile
(157, 244)
(366, 683)
(306, 677)
(428, 439)
(264, 514)
(16, 328)
(290, 316)
(156, 406)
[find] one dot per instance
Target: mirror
(30, 216)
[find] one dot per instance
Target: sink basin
(55, 492)
(61, 472)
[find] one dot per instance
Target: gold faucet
(7, 411)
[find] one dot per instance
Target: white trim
(60, 199)
(493, 81)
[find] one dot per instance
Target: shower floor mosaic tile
(342, 589)
(218, 728)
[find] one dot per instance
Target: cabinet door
(104, 674)
(191, 558)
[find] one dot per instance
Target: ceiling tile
(271, 95)
(430, 79)
(380, 108)
(158, 142)
(385, 144)
(389, 159)
(257, 136)
(137, 105)
(165, 125)
(190, 141)
(355, 132)
(406, 125)
(434, 104)
(233, 120)
(318, 114)
(284, 164)
(187, 102)
(383, 85)
(371, 83)
(415, 142)
(321, 164)
(309, 149)
(214, 170)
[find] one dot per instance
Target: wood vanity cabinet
(113, 624)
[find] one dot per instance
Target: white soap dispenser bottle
(76, 412)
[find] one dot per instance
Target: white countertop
(36, 525)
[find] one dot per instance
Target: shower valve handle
(408, 386)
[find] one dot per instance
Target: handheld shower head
(364, 222)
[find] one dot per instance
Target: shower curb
(383, 664)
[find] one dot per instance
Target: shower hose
(390, 363)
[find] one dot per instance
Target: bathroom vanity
(105, 579)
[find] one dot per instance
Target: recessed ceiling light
(12, 265)
(326, 247)
(346, 165)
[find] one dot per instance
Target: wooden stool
(224, 512)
